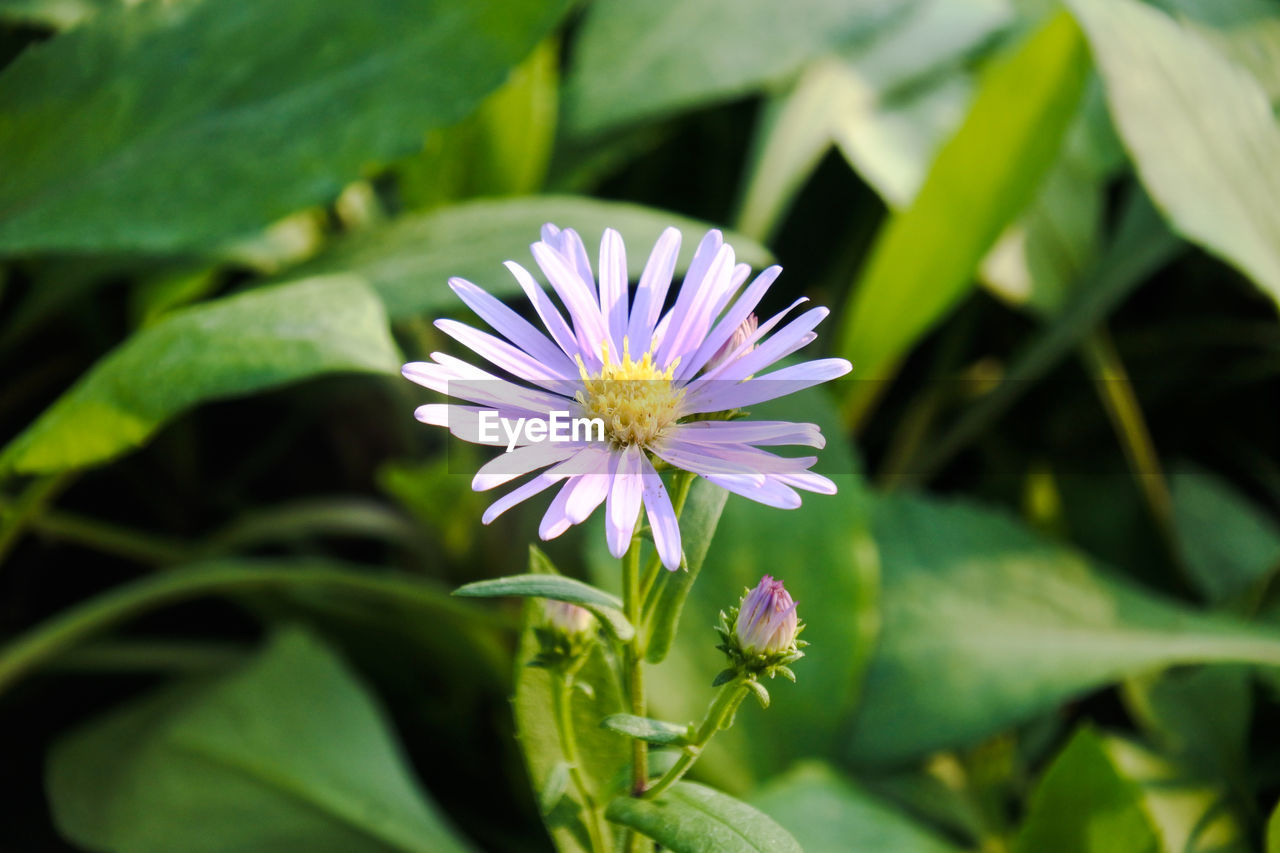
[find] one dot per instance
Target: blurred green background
(1042, 607)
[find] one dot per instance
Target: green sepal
(760, 691)
(725, 676)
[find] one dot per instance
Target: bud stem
(719, 716)
(563, 698)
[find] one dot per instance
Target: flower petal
(613, 287)
(767, 433)
(724, 396)
(547, 311)
(512, 326)
(690, 325)
(504, 355)
(729, 323)
(578, 296)
(540, 483)
(623, 510)
(703, 257)
(651, 292)
(508, 466)
(662, 516)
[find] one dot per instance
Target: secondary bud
(570, 619)
(767, 623)
(565, 635)
(760, 635)
(740, 335)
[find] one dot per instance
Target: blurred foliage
(1043, 606)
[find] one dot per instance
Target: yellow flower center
(635, 399)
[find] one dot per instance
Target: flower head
(761, 635)
(661, 385)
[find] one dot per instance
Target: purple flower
(650, 379)
(767, 623)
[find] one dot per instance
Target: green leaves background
(1042, 608)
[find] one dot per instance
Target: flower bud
(767, 622)
(570, 620)
(740, 335)
(565, 635)
(761, 634)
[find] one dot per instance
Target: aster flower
(655, 380)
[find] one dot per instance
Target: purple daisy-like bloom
(651, 379)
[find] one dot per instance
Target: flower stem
(634, 662)
(718, 716)
(563, 696)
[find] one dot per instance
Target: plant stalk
(563, 695)
(722, 709)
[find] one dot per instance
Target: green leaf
(290, 752)
(829, 814)
(982, 178)
(657, 732)
(235, 346)
(985, 625)
(637, 61)
(879, 100)
(1230, 545)
(605, 757)
(1084, 805)
(105, 147)
(1106, 795)
(824, 553)
(605, 607)
(691, 818)
(1273, 832)
(698, 523)
(1166, 82)
(410, 260)
(502, 149)
(1247, 31)
(56, 14)
(1200, 716)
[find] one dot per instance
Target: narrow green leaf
(635, 61)
(691, 818)
(290, 752)
(827, 813)
(410, 260)
(698, 524)
(238, 345)
(979, 182)
(607, 608)
(985, 625)
(97, 124)
(1218, 185)
(1273, 832)
(657, 732)
(95, 616)
(605, 757)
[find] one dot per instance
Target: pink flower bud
(767, 623)
(740, 335)
(570, 619)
